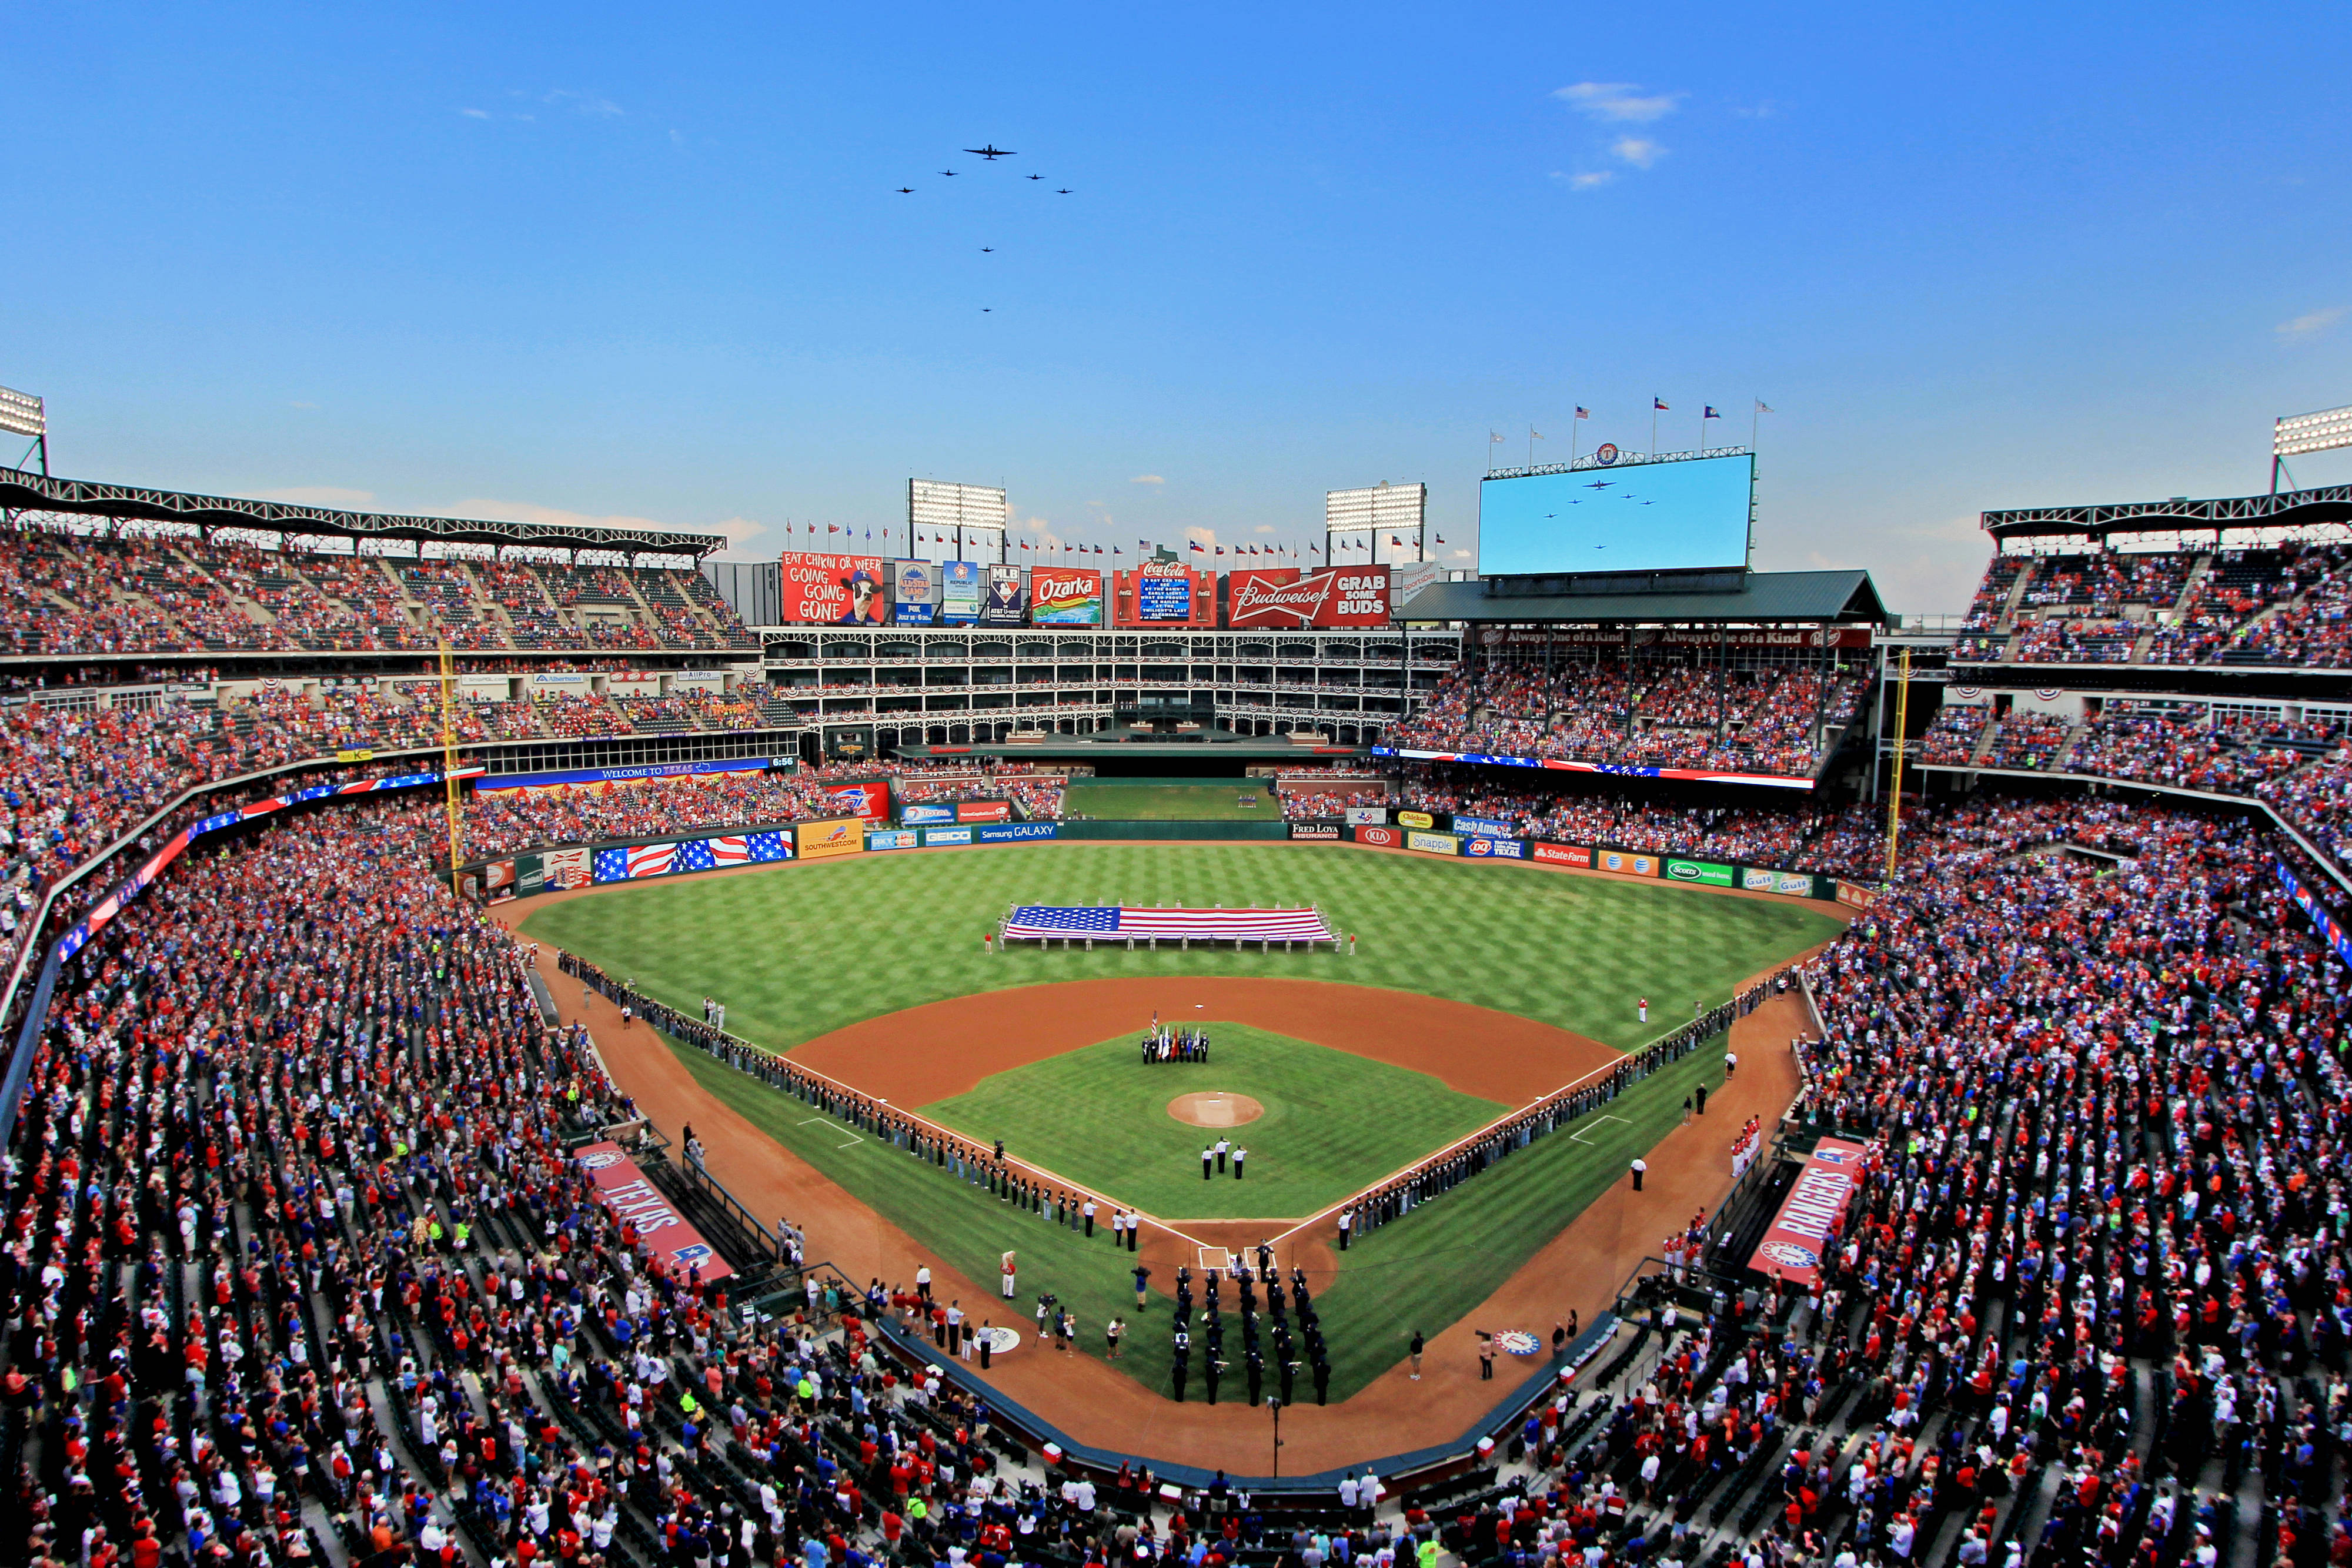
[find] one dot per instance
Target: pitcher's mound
(1215, 1110)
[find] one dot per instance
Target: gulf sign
(1065, 596)
(1285, 596)
(1802, 1234)
(823, 840)
(621, 1187)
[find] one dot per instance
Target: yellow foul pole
(1894, 800)
(449, 764)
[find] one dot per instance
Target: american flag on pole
(1041, 921)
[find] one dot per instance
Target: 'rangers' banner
(1283, 596)
(1812, 1214)
(624, 1189)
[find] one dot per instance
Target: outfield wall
(569, 867)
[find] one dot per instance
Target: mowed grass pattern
(1123, 801)
(1423, 1272)
(1333, 1123)
(796, 951)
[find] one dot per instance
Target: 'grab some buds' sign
(1283, 596)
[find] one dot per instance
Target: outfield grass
(1421, 1272)
(795, 951)
(1333, 1124)
(1120, 800)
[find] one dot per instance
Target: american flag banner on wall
(690, 854)
(1042, 921)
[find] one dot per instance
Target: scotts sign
(1283, 596)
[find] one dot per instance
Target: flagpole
(1654, 425)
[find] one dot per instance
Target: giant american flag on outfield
(1040, 921)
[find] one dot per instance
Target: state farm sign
(1283, 596)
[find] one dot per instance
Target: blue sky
(631, 261)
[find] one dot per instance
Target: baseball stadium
(581, 1005)
(775, 792)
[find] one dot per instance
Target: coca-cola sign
(1283, 596)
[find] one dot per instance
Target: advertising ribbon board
(923, 815)
(1624, 861)
(1285, 596)
(1379, 837)
(1432, 843)
(1315, 830)
(621, 1187)
(936, 838)
(823, 840)
(893, 839)
(1491, 827)
(1705, 871)
(1415, 820)
(1800, 1235)
(1577, 855)
(983, 810)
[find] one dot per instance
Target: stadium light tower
(22, 413)
(2300, 433)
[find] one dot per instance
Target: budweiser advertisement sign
(1285, 596)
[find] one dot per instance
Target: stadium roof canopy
(22, 491)
(2288, 509)
(1762, 598)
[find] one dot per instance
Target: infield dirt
(1096, 1404)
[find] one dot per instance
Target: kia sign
(1283, 596)
(1380, 837)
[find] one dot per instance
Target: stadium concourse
(305, 1263)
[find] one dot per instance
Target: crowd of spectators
(2289, 604)
(2107, 1109)
(1951, 737)
(2162, 744)
(1792, 836)
(305, 1271)
(2029, 740)
(1662, 714)
(161, 591)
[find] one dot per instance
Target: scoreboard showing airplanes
(1680, 515)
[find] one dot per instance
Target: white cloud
(1266, 528)
(1202, 536)
(582, 102)
(1462, 555)
(2309, 325)
(318, 495)
(1618, 102)
(1585, 182)
(1147, 480)
(1638, 151)
(300, 403)
(474, 113)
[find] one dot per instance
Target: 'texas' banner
(1812, 1214)
(624, 1190)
